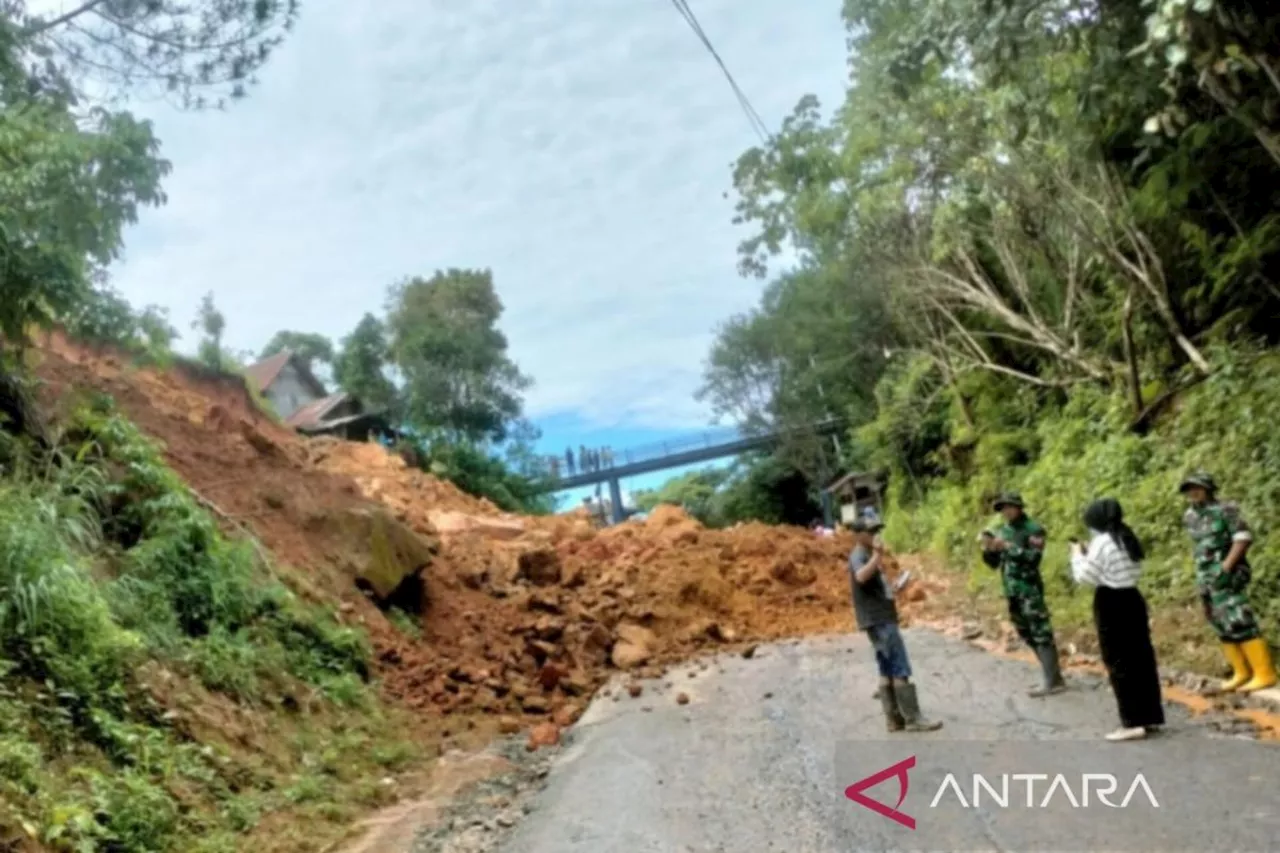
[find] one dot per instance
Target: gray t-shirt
(872, 601)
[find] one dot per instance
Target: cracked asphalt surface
(760, 757)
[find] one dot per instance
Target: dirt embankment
(518, 619)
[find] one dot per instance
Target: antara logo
(1102, 785)
(1092, 788)
(854, 792)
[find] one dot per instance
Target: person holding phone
(877, 614)
(1016, 549)
(1111, 563)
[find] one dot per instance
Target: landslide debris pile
(511, 618)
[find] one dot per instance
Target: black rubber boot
(909, 707)
(893, 720)
(1053, 681)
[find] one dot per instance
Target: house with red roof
(287, 382)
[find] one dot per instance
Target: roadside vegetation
(761, 487)
(160, 688)
(1037, 247)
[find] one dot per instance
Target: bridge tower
(616, 512)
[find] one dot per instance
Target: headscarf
(1106, 516)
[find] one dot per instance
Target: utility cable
(757, 123)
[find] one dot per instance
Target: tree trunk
(1131, 356)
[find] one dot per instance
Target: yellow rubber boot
(1264, 671)
(1239, 667)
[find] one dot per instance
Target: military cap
(1203, 479)
(1008, 499)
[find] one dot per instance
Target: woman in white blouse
(1111, 562)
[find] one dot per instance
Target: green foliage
(1083, 450)
(197, 54)
(475, 470)
(813, 347)
(108, 568)
(763, 487)
(990, 184)
(314, 349)
(766, 488)
(360, 366)
(106, 318)
(445, 343)
(693, 491)
(1067, 213)
(211, 323)
(71, 182)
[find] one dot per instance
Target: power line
(757, 123)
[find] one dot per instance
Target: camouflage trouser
(1226, 603)
(1029, 612)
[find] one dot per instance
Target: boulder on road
(633, 647)
(545, 734)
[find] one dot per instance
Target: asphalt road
(760, 758)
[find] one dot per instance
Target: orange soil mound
(523, 616)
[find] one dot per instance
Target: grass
(1064, 457)
(144, 658)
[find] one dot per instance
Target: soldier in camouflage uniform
(1016, 548)
(1222, 539)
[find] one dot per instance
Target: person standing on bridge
(1222, 540)
(1016, 549)
(1111, 563)
(877, 614)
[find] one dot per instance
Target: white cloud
(580, 150)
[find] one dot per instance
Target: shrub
(1083, 448)
(108, 562)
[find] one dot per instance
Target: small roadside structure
(857, 491)
(302, 401)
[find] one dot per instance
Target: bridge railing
(661, 450)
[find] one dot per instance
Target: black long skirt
(1124, 636)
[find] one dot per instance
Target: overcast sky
(580, 150)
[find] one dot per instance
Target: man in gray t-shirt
(877, 614)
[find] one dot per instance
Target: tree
(310, 347)
(75, 173)
(69, 185)
(360, 366)
(453, 359)
(212, 324)
(198, 53)
(105, 317)
(693, 491)
(765, 488)
(156, 331)
(520, 453)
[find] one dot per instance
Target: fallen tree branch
(263, 554)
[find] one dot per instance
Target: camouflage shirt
(1021, 559)
(1213, 528)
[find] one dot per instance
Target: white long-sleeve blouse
(1105, 563)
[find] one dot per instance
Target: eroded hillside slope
(520, 616)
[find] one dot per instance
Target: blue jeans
(891, 652)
